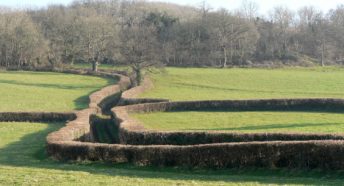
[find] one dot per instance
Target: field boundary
(323, 154)
(36, 116)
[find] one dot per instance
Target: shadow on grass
(198, 86)
(297, 108)
(28, 151)
(271, 126)
(82, 102)
(50, 85)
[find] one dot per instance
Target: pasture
(179, 84)
(22, 145)
(248, 122)
(46, 91)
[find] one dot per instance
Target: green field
(23, 162)
(219, 84)
(238, 83)
(45, 91)
(309, 122)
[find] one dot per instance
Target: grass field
(45, 91)
(23, 162)
(209, 84)
(309, 122)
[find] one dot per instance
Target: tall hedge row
(335, 105)
(193, 138)
(324, 154)
(36, 116)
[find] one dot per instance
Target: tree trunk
(232, 46)
(72, 60)
(94, 65)
(137, 76)
(225, 57)
(323, 53)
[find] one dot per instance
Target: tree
(249, 10)
(20, 40)
(336, 27)
(139, 43)
(282, 18)
(163, 24)
(60, 27)
(96, 35)
(233, 36)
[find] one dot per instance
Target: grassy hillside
(45, 91)
(23, 162)
(203, 84)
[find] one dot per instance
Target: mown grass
(23, 162)
(45, 91)
(219, 84)
(248, 122)
(239, 83)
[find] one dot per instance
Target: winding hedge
(130, 97)
(79, 129)
(244, 150)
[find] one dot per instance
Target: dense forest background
(143, 34)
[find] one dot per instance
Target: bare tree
(249, 10)
(20, 40)
(139, 43)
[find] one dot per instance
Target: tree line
(145, 34)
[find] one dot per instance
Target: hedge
(193, 138)
(79, 129)
(104, 129)
(36, 116)
(129, 97)
(274, 154)
(243, 151)
(242, 105)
